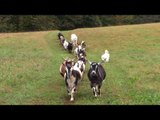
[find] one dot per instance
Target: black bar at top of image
(78, 7)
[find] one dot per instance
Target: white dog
(105, 57)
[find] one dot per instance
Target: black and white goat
(96, 75)
(72, 77)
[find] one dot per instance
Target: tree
(91, 21)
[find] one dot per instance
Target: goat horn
(67, 58)
(89, 62)
(101, 62)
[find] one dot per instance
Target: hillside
(29, 72)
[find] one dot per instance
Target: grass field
(29, 70)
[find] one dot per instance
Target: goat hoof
(95, 96)
(71, 99)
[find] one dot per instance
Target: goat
(74, 39)
(72, 78)
(96, 75)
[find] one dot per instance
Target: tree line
(21, 23)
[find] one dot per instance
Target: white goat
(74, 39)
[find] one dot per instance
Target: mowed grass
(29, 70)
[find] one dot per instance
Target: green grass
(29, 70)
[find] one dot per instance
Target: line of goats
(73, 71)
